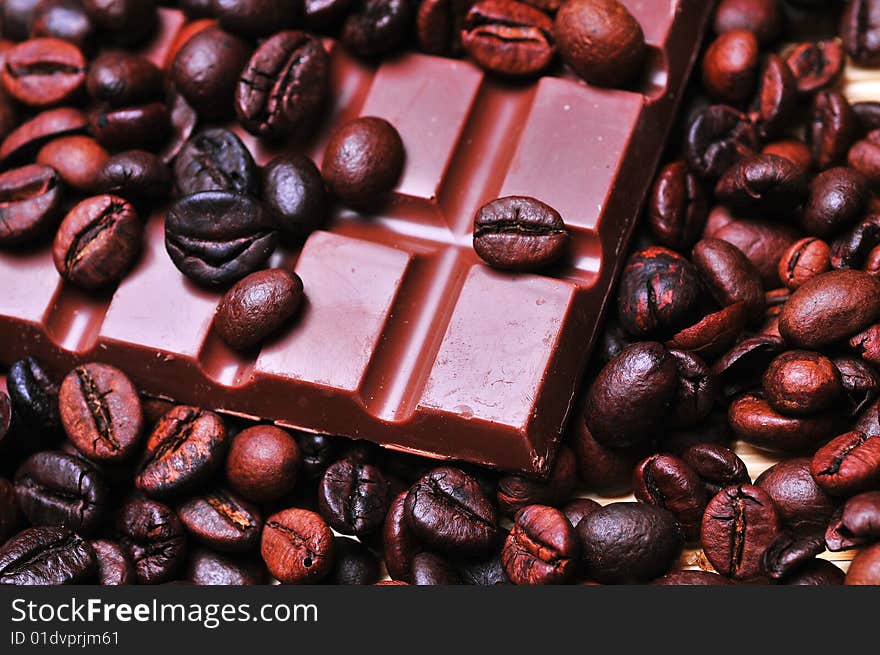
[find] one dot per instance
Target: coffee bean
(30, 202)
(865, 567)
(131, 128)
(853, 248)
(603, 469)
(542, 548)
(629, 542)
(136, 175)
(789, 553)
(753, 420)
(183, 123)
(697, 390)
(257, 306)
(837, 199)
(690, 579)
(794, 150)
(11, 519)
(319, 15)
(318, 451)
(848, 464)
(717, 467)
(254, 18)
(34, 396)
(293, 191)
(856, 523)
(400, 544)
(867, 344)
(776, 101)
(729, 275)
(206, 567)
(152, 536)
(804, 260)
(97, 242)
(77, 159)
(46, 556)
(215, 159)
(262, 463)
(114, 566)
(804, 507)
(218, 237)
(439, 25)
(122, 79)
(519, 233)
(669, 482)
(516, 492)
(130, 22)
(730, 67)
(448, 511)
(762, 182)
(864, 157)
(185, 448)
(101, 412)
(221, 520)
(18, 17)
(431, 569)
(678, 207)
(65, 20)
(818, 572)
(43, 72)
(363, 161)
(860, 382)
(816, 64)
(377, 27)
(713, 333)
(800, 382)
(284, 85)
(717, 137)
(763, 243)
(601, 41)
(860, 32)
(27, 138)
(353, 497)
(764, 18)
(354, 564)
(832, 128)
(297, 546)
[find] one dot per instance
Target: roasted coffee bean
(206, 70)
(516, 492)
(97, 242)
(729, 275)
(185, 448)
(218, 237)
(320, 15)
(152, 536)
(865, 568)
(122, 79)
(136, 175)
(714, 333)
(860, 382)
(804, 507)
(864, 156)
(869, 420)
(130, 128)
(76, 158)
(867, 344)
(669, 482)
(377, 27)
(223, 521)
(678, 207)
(829, 308)
(697, 389)
(46, 556)
(860, 31)
(659, 292)
(130, 22)
(206, 567)
(293, 191)
(690, 579)
(431, 569)
(34, 396)
(257, 306)
(284, 85)
(57, 489)
(789, 553)
(10, 515)
(363, 161)
(817, 572)
(578, 509)
(43, 72)
(852, 249)
(832, 128)
(439, 25)
(717, 467)
(601, 41)
(542, 547)
(64, 19)
(739, 524)
(17, 17)
(27, 138)
(508, 37)
(848, 464)
(816, 64)
(717, 137)
(764, 18)
(262, 463)
(730, 67)
(800, 382)
(837, 199)
(318, 452)
(753, 420)
(868, 113)
(629, 542)
(215, 159)
(400, 544)
(603, 469)
(354, 564)
(101, 412)
(763, 243)
(114, 566)
(776, 101)
(804, 260)
(519, 233)
(792, 149)
(297, 546)
(762, 182)
(631, 394)
(255, 18)
(30, 202)
(447, 510)
(855, 523)
(353, 497)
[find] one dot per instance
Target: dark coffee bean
(284, 85)
(763, 243)
(739, 524)
(830, 307)
(678, 207)
(218, 237)
(30, 202)
(832, 128)
(542, 547)
(363, 161)
(603, 469)
(206, 567)
(130, 128)
(801, 382)
(516, 492)
(856, 523)
(206, 70)
(222, 521)
(185, 448)
(152, 536)
(864, 156)
(519, 233)
(130, 22)
(753, 420)
(122, 79)
(320, 15)
(26, 139)
(439, 25)
(837, 199)
(97, 242)
(57, 489)
(17, 17)
(860, 31)
(762, 182)
(136, 175)
(789, 553)
(631, 394)
(697, 389)
(717, 466)
(601, 41)
(10, 515)
(255, 18)
(776, 101)
(400, 544)
(64, 19)
(816, 64)
(377, 27)
(629, 542)
(262, 463)
(792, 149)
(730, 67)
(34, 396)
(46, 556)
(729, 275)
(865, 567)
(818, 572)
(297, 546)
(353, 497)
(868, 113)
(860, 382)
(183, 123)
(76, 158)
(804, 260)
(354, 564)
(509, 37)
(318, 452)
(848, 464)
(215, 159)
(717, 137)
(869, 420)
(486, 573)
(114, 566)
(257, 306)
(764, 18)
(578, 509)
(690, 579)
(447, 510)
(669, 482)
(293, 191)
(43, 72)
(431, 569)
(101, 412)
(852, 249)
(804, 507)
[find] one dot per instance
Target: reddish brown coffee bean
(439, 25)
(43, 72)
(131, 128)
(764, 18)
(789, 554)
(77, 158)
(26, 139)
(755, 421)
(122, 79)
(678, 207)
(837, 199)
(128, 22)
(297, 546)
(605, 470)
(730, 67)
(860, 382)
(855, 523)
(262, 463)
(30, 202)
(714, 333)
(860, 31)
(97, 242)
(795, 150)
(832, 128)
(101, 412)
(65, 20)
(542, 547)
(743, 366)
(697, 390)
(852, 249)
(516, 492)
(762, 242)
(848, 464)
(717, 138)
(865, 567)
(804, 507)
(669, 482)
(136, 175)
(829, 308)
(864, 157)
(716, 466)
(762, 183)
(431, 569)
(377, 27)
(816, 64)
(353, 497)
(400, 544)
(114, 565)
(804, 260)
(800, 382)
(739, 524)
(255, 18)
(867, 344)
(729, 275)
(601, 41)
(776, 101)
(222, 520)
